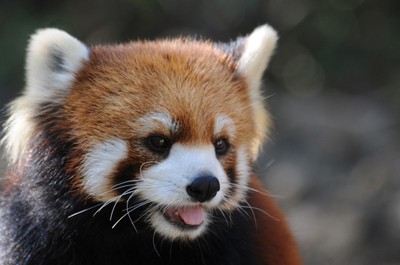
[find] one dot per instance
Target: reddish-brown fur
(277, 245)
(158, 77)
(153, 77)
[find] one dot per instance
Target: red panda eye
(158, 144)
(221, 146)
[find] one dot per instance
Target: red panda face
(168, 127)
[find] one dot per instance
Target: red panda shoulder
(273, 236)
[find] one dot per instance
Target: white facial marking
(149, 122)
(243, 172)
(223, 122)
(165, 183)
(99, 163)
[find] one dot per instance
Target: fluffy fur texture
(140, 153)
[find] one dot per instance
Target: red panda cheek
(99, 166)
(238, 170)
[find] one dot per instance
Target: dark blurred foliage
(333, 88)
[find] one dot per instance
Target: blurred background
(333, 88)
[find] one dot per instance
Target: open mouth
(188, 217)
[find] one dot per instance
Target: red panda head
(172, 126)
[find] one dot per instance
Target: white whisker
(252, 212)
(261, 210)
(228, 222)
(84, 210)
(253, 103)
(104, 205)
(119, 198)
(154, 244)
(138, 205)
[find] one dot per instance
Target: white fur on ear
(53, 58)
(258, 49)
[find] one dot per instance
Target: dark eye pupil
(158, 144)
(221, 146)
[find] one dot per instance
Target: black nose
(203, 188)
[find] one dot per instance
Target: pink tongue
(192, 215)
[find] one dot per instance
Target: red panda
(140, 153)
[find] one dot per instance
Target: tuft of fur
(109, 147)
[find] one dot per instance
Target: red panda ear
(256, 54)
(53, 58)
(252, 55)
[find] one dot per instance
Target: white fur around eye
(151, 121)
(99, 164)
(224, 123)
